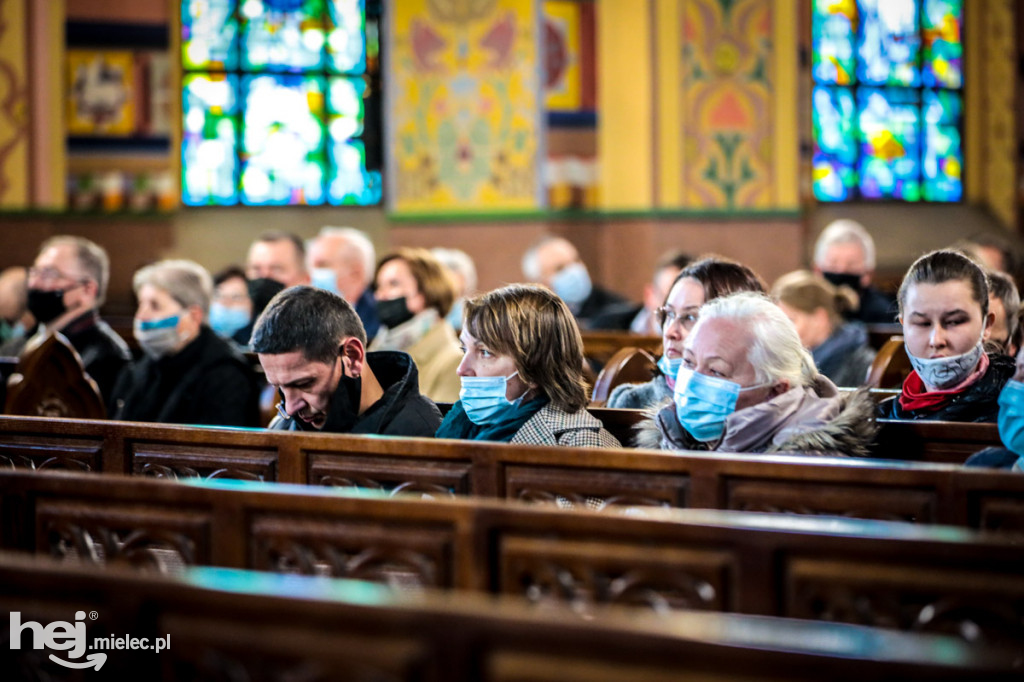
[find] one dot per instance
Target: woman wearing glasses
(697, 284)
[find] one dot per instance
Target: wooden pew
(229, 624)
(600, 346)
(923, 493)
(934, 441)
(50, 380)
(867, 572)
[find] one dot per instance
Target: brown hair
(534, 327)
(805, 291)
(721, 276)
(432, 280)
(946, 266)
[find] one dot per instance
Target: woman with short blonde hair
(522, 373)
(414, 293)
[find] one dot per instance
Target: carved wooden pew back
(222, 624)
(923, 493)
(868, 572)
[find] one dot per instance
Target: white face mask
(158, 338)
(945, 373)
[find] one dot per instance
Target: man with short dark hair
(280, 256)
(312, 346)
(66, 286)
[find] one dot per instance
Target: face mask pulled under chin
(158, 338)
(945, 373)
(343, 409)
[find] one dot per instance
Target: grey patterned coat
(552, 426)
(640, 396)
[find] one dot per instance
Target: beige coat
(437, 355)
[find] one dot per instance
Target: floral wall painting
(465, 106)
(100, 87)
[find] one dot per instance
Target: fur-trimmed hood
(816, 420)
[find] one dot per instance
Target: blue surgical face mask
(226, 321)
(158, 338)
(670, 366)
(483, 398)
(454, 316)
(1011, 416)
(572, 284)
(703, 403)
(324, 278)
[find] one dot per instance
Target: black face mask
(394, 312)
(46, 306)
(838, 279)
(343, 412)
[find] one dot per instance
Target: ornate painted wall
(14, 105)
(728, 118)
(464, 111)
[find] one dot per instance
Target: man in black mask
(66, 286)
(313, 350)
(845, 255)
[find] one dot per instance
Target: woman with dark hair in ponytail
(943, 303)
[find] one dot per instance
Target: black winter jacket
(206, 382)
(401, 411)
(978, 403)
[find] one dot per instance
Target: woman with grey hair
(748, 385)
(188, 374)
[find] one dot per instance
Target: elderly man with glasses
(66, 286)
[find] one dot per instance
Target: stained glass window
(887, 101)
(281, 102)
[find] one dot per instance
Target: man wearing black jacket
(313, 350)
(66, 286)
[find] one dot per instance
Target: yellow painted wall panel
(14, 176)
(625, 105)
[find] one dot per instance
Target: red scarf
(916, 397)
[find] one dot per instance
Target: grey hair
(358, 242)
(92, 260)
(531, 259)
(187, 282)
(845, 231)
(459, 262)
(775, 351)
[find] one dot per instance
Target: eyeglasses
(666, 315)
(52, 275)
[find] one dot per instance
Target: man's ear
(353, 356)
(989, 321)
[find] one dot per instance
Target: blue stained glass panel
(942, 165)
(282, 151)
(835, 148)
(834, 30)
(889, 43)
(209, 135)
(209, 33)
(283, 35)
(943, 48)
(888, 125)
(346, 45)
